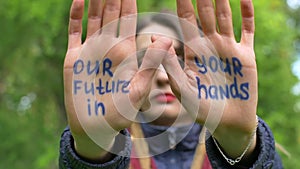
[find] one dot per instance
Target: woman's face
(162, 107)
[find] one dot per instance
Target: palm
(90, 100)
(228, 86)
(91, 109)
(99, 73)
(223, 98)
(220, 78)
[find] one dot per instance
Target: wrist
(237, 145)
(94, 152)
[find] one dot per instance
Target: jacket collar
(164, 138)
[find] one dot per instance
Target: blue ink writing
(94, 86)
(214, 64)
(220, 92)
(101, 88)
(237, 66)
(97, 105)
(76, 86)
(201, 66)
(78, 67)
(93, 67)
(107, 63)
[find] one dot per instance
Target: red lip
(165, 98)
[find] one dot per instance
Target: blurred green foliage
(32, 47)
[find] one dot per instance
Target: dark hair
(166, 19)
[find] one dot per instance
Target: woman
(239, 140)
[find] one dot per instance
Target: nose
(162, 79)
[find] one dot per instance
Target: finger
(187, 18)
(128, 18)
(154, 55)
(224, 17)
(142, 81)
(175, 72)
(186, 12)
(75, 24)
(111, 14)
(206, 14)
(94, 16)
(248, 26)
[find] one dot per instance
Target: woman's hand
(219, 83)
(104, 89)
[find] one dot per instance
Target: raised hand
(99, 73)
(219, 82)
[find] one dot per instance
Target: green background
(33, 41)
